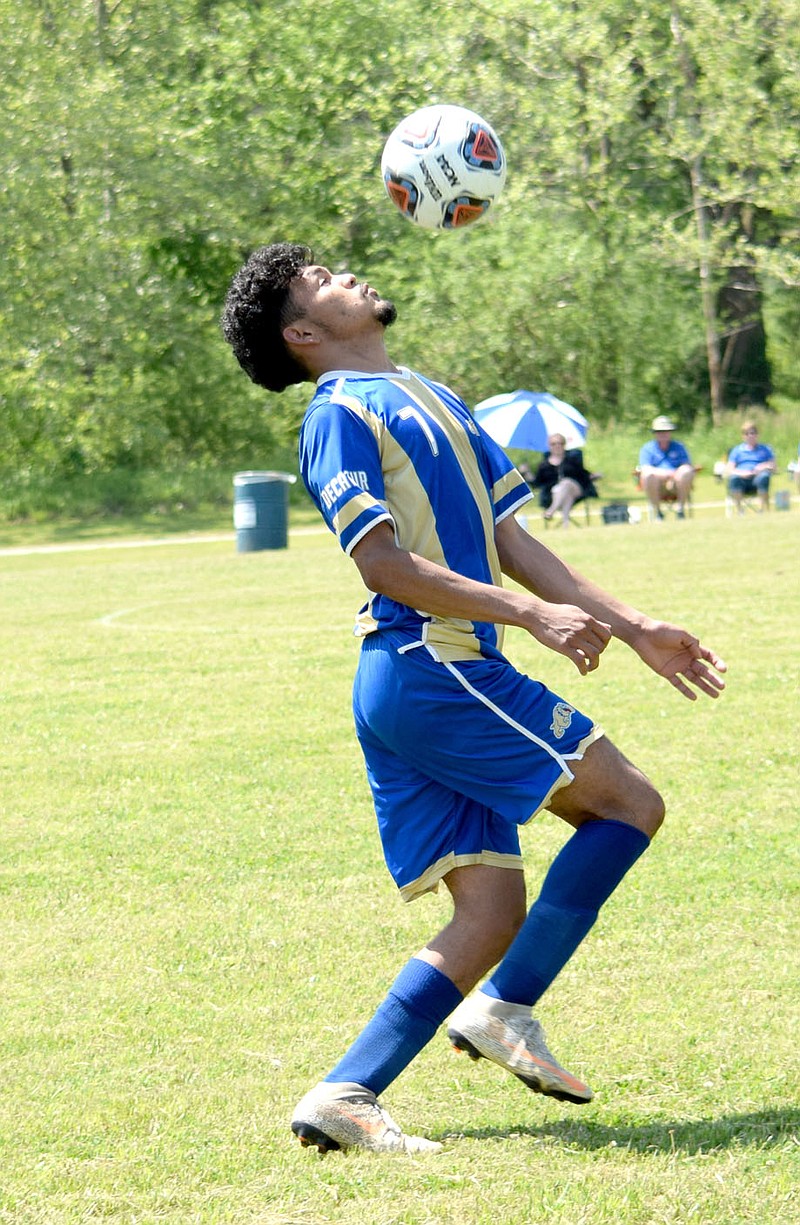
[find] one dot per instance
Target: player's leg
(615, 812)
(343, 1111)
(608, 787)
(489, 909)
(520, 748)
(426, 831)
(430, 826)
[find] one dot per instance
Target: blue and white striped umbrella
(526, 419)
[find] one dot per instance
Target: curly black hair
(258, 307)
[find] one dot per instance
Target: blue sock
(582, 876)
(419, 1000)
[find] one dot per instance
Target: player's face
(338, 303)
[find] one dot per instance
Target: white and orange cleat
(345, 1115)
(509, 1036)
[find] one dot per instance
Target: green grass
(195, 918)
(134, 502)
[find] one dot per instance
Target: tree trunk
(707, 294)
(746, 370)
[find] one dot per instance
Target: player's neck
(366, 358)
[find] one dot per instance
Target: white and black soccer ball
(443, 167)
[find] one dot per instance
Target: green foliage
(783, 330)
(147, 148)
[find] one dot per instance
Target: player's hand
(571, 631)
(679, 657)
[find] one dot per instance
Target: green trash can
(261, 510)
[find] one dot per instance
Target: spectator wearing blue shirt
(750, 465)
(665, 467)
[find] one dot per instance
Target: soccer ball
(443, 167)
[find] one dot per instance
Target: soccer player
(460, 747)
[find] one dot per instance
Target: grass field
(196, 920)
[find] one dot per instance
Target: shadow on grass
(759, 1129)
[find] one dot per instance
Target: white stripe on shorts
(501, 714)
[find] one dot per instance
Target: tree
(727, 118)
(149, 147)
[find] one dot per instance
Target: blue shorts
(458, 756)
(757, 483)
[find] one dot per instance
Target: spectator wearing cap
(665, 467)
(750, 465)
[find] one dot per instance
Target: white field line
(83, 546)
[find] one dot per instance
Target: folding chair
(669, 494)
(748, 497)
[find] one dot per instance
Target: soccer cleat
(508, 1035)
(333, 1116)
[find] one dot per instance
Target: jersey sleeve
(508, 488)
(341, 468)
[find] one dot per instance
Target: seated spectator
(665, 467)
(750, 465)
(562, 479)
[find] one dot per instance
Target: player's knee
(651, 811)
(638, 803)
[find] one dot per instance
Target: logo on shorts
(562, 717)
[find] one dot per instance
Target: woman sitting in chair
(750, 467)
(562, 479)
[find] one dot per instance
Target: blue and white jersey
(401, 449)
(744, 456)
(651, 455)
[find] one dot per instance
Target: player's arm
(421, 584)
(670, 651)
